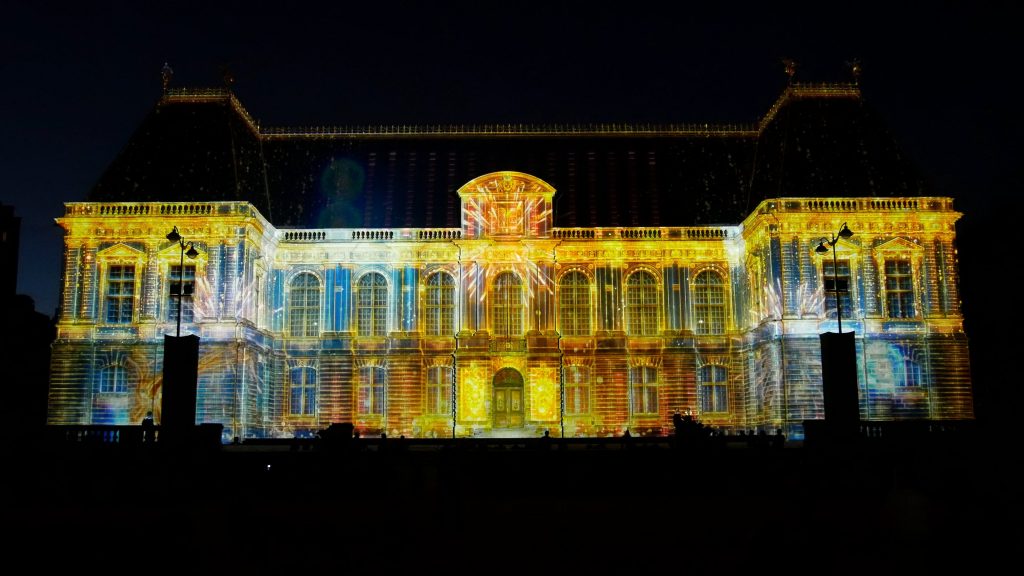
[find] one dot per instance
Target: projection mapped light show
(509, 325)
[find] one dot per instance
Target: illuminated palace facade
(498, 315)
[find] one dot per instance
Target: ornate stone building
(374, 276)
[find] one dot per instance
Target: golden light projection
(391, 329)
(544, 397)
(473, 396)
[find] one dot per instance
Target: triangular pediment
(897, 245)
(121, 250)
(846, 247)
(171, 250)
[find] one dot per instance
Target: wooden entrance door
(508, 399)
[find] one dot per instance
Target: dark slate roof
(201, 145)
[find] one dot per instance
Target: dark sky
(77, 82)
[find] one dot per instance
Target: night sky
(77, 82)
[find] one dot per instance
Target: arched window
(642, 304)
(577, 390)
(116, 387)
(714, 393)
(709, 303)
(303, 391)
(372, 305)
(574, 304)
(911, 376)
(116, 379)
(440, 305)
(304, 306)
(907, 366)
(372, 383)
(439, 390)
(507, 305)
(643, 390)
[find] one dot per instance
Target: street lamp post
(839, 361)
(844, 233)
(174, 236)
(181, 365)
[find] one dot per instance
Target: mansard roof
(815, 141)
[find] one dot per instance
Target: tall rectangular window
(574, 304)
(714, 392)
(577, 390)
(709, 303)
(120, 294)
(439, 390)
(440, 305)
(899, 289)
(837, 276)
(187, 285)
(303, 391)
(372, 305)
(642, 304)
(643, 389)
(507, 305)
(371, 390)
(304, 306)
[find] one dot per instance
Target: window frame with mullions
(903, 293)
(575, 306)
(127, 383)
(123, 302)
(647, 388)
(173, 298)
(372, 392)
(846, 297)
(439, 303)
(643, 304)
(507, 305)
(372, 302)
(577, 390)
(437, 399)
(714, 391)
(305, 314)
(706, 322)
(306, 387)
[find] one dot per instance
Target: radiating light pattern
(282, 351)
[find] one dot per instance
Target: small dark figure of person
(627, 440)
(677, 421)
(545, 440)
(779, 439)
(148, 429)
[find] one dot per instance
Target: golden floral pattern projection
(279, 316)
(473, 397)
(544, 393)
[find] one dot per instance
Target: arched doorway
(507, 403)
